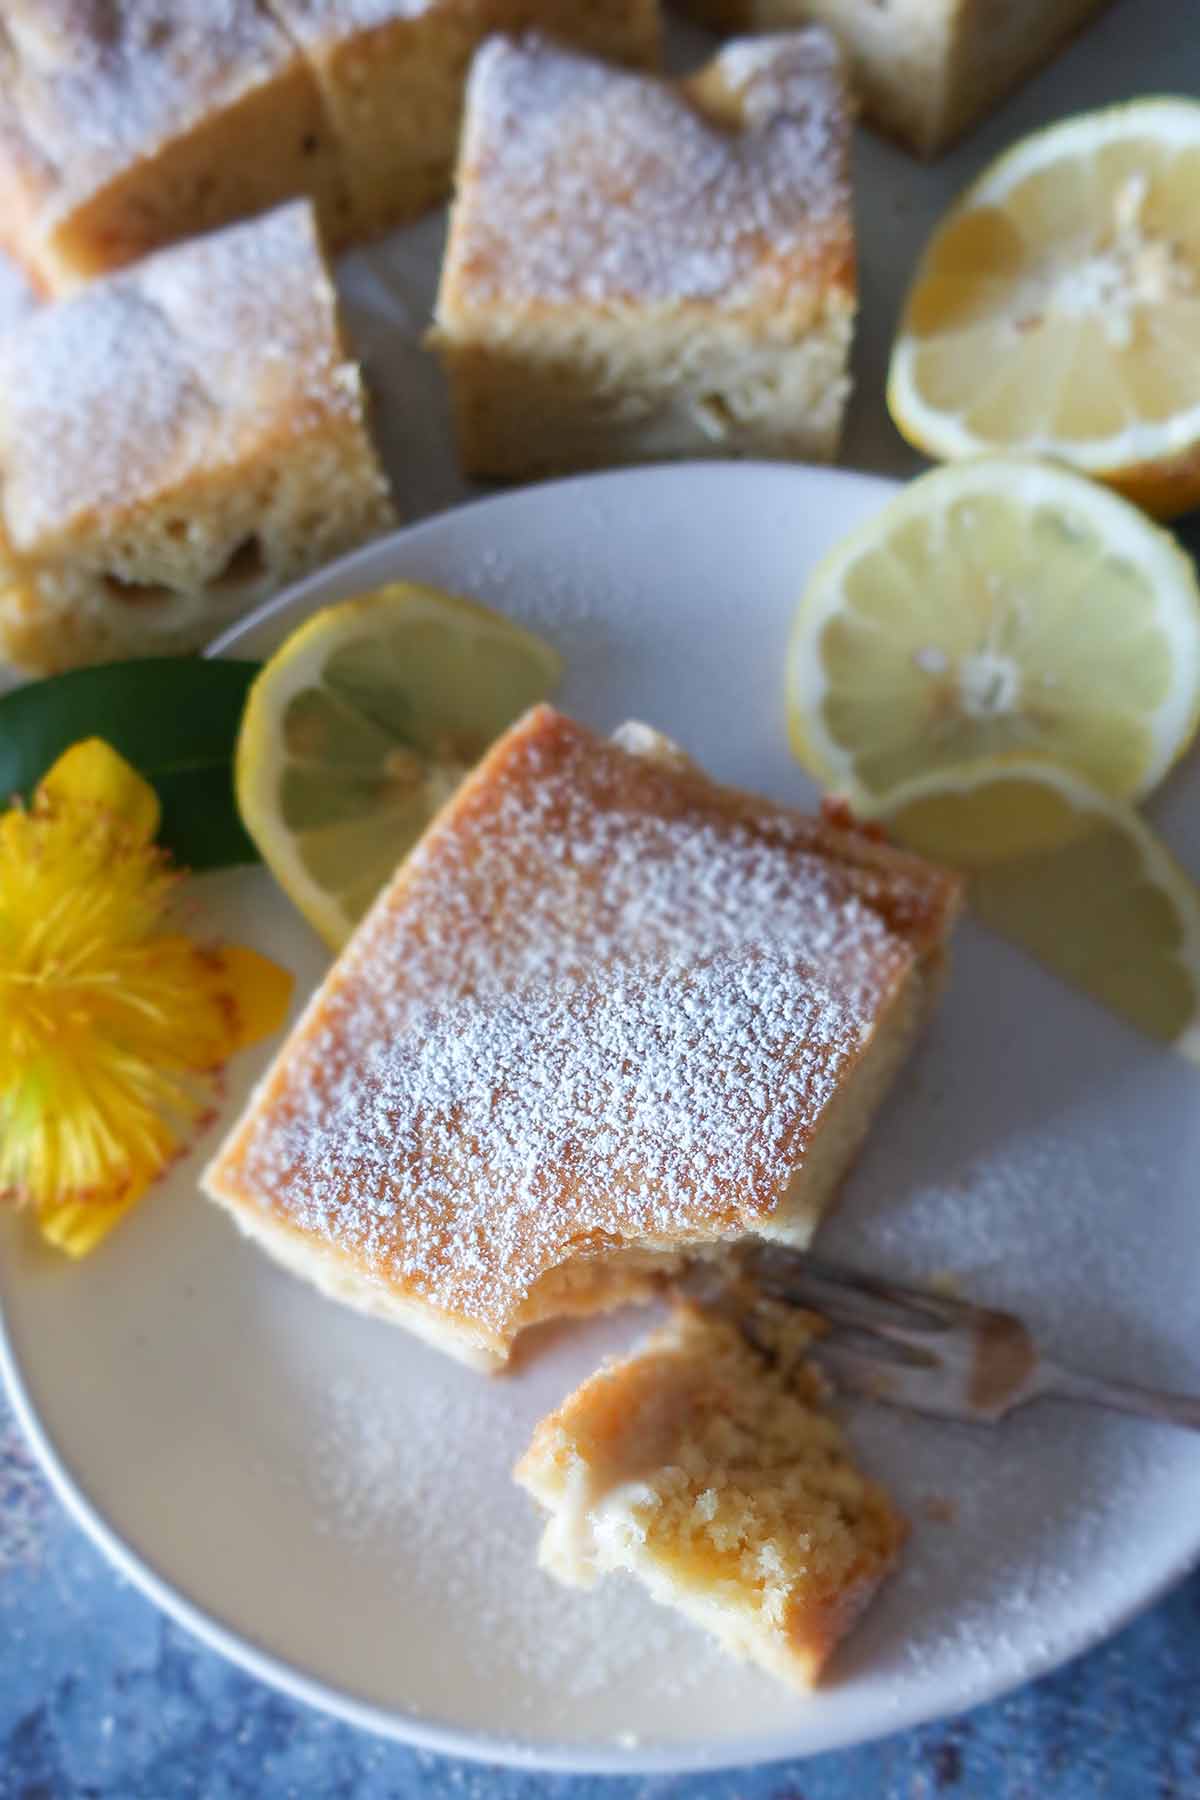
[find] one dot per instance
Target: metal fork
(926, 1351)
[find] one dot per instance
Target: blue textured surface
(101, 1697)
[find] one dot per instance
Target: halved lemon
(1057, 308)
(362, 725)
(1095, 895)
(998, 608)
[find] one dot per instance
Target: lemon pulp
(362, 726)
(997, 609)
(1089, 890)
(1057, 308)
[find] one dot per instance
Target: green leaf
(175, 718)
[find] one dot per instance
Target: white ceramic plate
(328, 1502)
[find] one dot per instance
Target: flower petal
(93, 775)
(260, 990)
(113, 1030)
(77, 1226)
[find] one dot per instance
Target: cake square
(642, 269)
(176, 442)
(608, 1015)
(925, 70)
(393, 78)
(130, 125)
(719, 1479)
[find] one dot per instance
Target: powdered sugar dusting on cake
(96, 85)
(17, 298)
(94, 403)
(487, 1145)
(314, 21)
(256, 312)
(583, 182)
(183, 364)
(588, 1009)
(769, 68)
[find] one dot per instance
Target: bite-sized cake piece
(641, 269)
(716, 1476)
(608, 1015)
(175, 443)
(393, 77)
(926, 70)
(129, 124)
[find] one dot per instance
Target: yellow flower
(113, 1026)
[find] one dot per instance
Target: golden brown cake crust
(605, 1003)
(115, 78)
(485, 1146)
(221, 348)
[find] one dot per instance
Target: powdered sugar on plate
(388, 1468)
(338, 1496)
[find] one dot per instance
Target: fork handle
(1122, 1396)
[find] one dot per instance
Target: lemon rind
(1026, 479)
(259, 759)
(1163, 868)
(1134, 455)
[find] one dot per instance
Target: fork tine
(849, 1294)
(883, 1339)
(865, 1341)
(843, 1305)
(897, 1343)
(941, 1310)
(862, 1343)
(917, 1388)
(929, 1352)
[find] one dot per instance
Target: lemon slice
(362, 725)
(1100, 900)
(998, 608)
(1057, 308)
